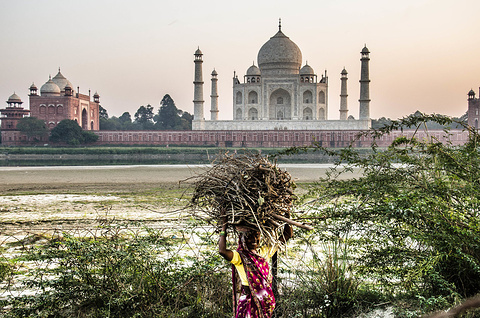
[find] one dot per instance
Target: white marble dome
(50, 88)
(253, 71)
(279, 55)
(307, 70)
(61, 81)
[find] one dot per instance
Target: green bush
(325, 286)
(413, 216)
(6, 270)
(114, 276)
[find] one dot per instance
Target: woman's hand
(222, 242)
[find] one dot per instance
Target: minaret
(33, 90)
(364, 86)
(214, 97)
(472, 110)
(343, 95)
(198, 88)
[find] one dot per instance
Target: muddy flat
(78, 178)
(37, 199)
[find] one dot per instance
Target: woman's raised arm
(222, 242)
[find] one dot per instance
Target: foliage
(6, 270)
(414, 213)
(170, 117)
(144, 117)
(326, 285)
(124, 122)
(125, 118)
(32, 127)
(102, 112)
(103, 119)
(68, 131)
(456, 123)
(89, 137)
(118, 276)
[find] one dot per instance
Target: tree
(69, 132)
(126, 118)
(413, 216)
(171, 118)
(187, 119)
(144, 116)
(89, 137)
(126, 121)
(33, 127)
(102, 112)
(112, 123)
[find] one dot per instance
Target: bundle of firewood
(248, 190)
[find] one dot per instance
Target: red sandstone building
(10, 117)
(57, 101)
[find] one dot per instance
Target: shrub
(414, 212)
(112, 276)
(326, 286)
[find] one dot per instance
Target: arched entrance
(280, 105)
(238, 114)
(253, 114)
(252, 97)
(307, 114)
(321, 114)
(307, 97)
(84, 119)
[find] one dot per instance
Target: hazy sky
(425, 54)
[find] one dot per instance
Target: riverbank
(80, 179)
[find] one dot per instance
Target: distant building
(57, 101)
(280, 94)
(10, 117)
(473, 111)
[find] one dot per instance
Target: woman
(256, 300)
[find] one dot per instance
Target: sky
(424, 53)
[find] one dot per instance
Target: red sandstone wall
(254, 138)
(261, 138)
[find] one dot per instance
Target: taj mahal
(280, 94)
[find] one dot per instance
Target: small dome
(365, 50)
(214, 73)
(307, 70)
(198, 52)
(279, 54)
(33, 87)
(50, 88)
(253, 71)
(471, 92)
(61, 81)
(96, 95)
(344, 71)
(14, 99)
